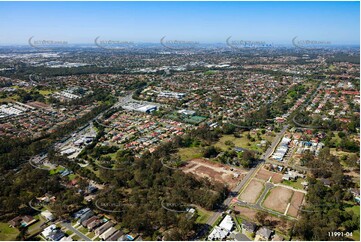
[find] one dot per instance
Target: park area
(252, 192)
(215, 171)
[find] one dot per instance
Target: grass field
(203, 215)
(45, 92)
(242, 142)
(57, 170)
(189, 153)
(7, 233)
(295, 184)
(111, 155)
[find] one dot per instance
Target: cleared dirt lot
(278, 199)
(215, 171)
(264, 175)
(246, 212)
(296, 202)
(252, 192)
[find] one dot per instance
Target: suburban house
(108, 233)
(264, 233)
(47, 215)
(249, 226)
(81, 212)
(103, 228)
(221, 231)
(85, 216)
(115, 236)
(22, 221)
(92, 225)
(52, 233)
(88, 221)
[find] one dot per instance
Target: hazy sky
(82, 22)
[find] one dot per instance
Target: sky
(204, 22)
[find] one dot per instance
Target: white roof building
(227, 223)
(47, 215)
(218, 234)
(108, 233)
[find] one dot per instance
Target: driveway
(77, 232)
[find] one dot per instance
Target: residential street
(81, 235)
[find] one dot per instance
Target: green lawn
(57, 170)
(35, 228)
(189, 153)
(69, 232)
(76, 237)
(242, 142)
(91, 235)
(203, 215)
(111, 155)
(7, 233)
(239, 142)
(295, 184)
(118, 226)
(45, 92)
(83, 230)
